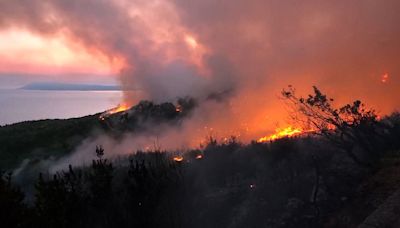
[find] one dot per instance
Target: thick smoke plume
(167, 49)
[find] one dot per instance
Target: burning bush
(146, 113)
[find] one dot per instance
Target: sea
(18, 105)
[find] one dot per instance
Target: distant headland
(70, 87)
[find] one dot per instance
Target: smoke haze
(254, 48)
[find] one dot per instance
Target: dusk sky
(348, 48)
(199, 113)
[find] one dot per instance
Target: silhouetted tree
(347, 127)
(152, 186)
(13, 212)
(61, 201)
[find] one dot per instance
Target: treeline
(291, 182)
(100, 195)
(43, 139)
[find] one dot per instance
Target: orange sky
(252, 48)
(24, 52)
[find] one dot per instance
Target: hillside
(308, 180)
(43, 138)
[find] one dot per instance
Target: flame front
(281, 133)
(119, 108)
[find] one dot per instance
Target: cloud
(253, 47)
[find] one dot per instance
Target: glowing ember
(178, 158)
(281, 133)
(385, 78)
(199, 156)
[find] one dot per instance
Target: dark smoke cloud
(343, 46)
(253, 47)
(144, 35)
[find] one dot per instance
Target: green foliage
(54, 138)
(42, 139)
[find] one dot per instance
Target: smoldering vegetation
(52, 139)
(48, 146)
(290, 182)
(145, 114)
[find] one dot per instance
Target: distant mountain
(70, 87)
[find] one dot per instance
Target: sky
(26, 57)
(22, 51)
(249, 50)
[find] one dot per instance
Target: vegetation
(352, 127)
(42, 139)
(305, 181)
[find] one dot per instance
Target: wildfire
(281, 133)
(178, 158)
(119, 108)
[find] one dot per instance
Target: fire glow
(282, 133)
(164, 50)
(120, 108)
(178, 158)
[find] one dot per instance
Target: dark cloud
(255, 47)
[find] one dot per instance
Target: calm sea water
(20, 105)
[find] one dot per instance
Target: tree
(13, 211)
(100, 177)
(350, 127)
(60, 200)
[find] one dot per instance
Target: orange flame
(178, 158)
(119, 108)
(281, 133)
